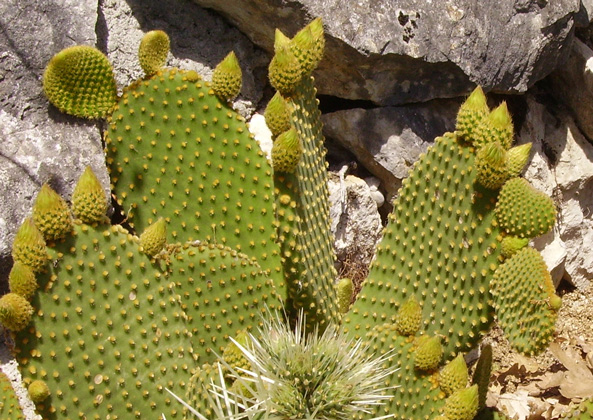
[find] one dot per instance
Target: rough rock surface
(415, 50)
(562, 166)
(356, 223)
(387, 141)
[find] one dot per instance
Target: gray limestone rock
(562, 166)
(387, 141)
(394, 52)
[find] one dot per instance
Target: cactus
(218, 233)
(582, 411)
(9, 404)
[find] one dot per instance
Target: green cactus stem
(153, 51)
(227, 78)
(79, 81)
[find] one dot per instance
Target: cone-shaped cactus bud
(482, 372)
(555, 302)
(227, 78)
(491, 169)
(285, 70)
(233, 356)
(462, 405)
(500, 126)
(89, 203)
(517, 158)
(287, 151)
(510, 245)
(153, 51)
(15, 311)
(276, 115)
(428, 353)
(51, 214)
(154, 238)
(524, 211)
(454, 375)
(308, 45)
(21, 280)
(345, 289)
(471, 113)
(409, 317)
(79, 81)
(29, 246)
(38, 391)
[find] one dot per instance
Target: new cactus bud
(463, 404)
(409, 317)
(276, 115)
(79, 81)
(454, 375)
(510, 245)
(153, 51)
(555, 302)
(428, 353)
(287, 151)
(517, 158)
(232, 354)
(345, 289)
(89, 203)
(29, 246)
(498, 127)
(21, 280)
(308, 45)
(524, 211)
(154, 238)
(471, 113)
(38, 391)
(491, 166)
(51, 214)
(284, 70)
(15, 311)
(227, 78)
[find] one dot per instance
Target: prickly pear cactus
(438, 266)
(9, 403)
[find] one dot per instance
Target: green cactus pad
(409, 317)
(516, 159)
(9, 403)
(471, 113)
(51, 214)
(491, 166)
(523, 291)
(79, 81)
(28, 247)
(108, 334)
(276, 115)
(428, 353)
(21, 280)
(89, 203)
(227, 78)
(510, 245)
(154, 238)
(440, 246)
(345, 289)
(463, 404)
(15, 312)
(285, 71)
(38, 391)
(222, 293)
(454, 375)
(287, 151)
(153, 51)
(174, 150)
(524, 211)
(482, 372)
